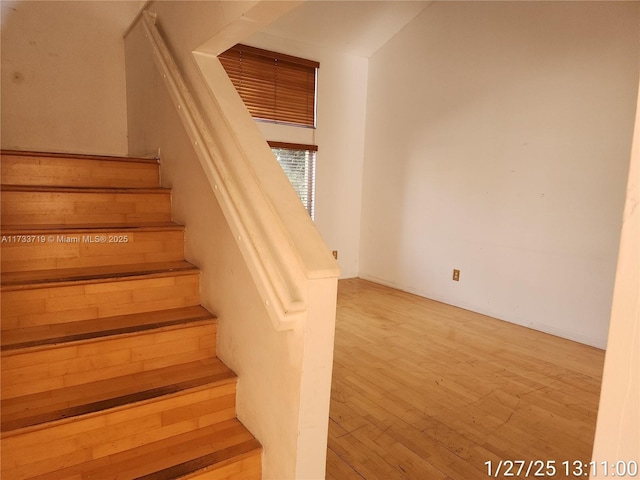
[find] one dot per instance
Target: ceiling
(355, 27)
(117, 13)
(358, 27)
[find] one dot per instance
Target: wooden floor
(422, 390)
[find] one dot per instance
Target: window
(281, 89)
(299, 164)
(275, 87)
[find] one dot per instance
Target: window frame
(310, 207)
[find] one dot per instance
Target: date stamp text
(568, 468)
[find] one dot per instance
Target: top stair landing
(70, 170)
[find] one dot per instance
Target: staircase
(109, 366)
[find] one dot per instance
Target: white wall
(497, 142)
(341, 106)
(63, 78)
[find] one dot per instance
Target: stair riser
(76, 208)
(72, 172)
(59, 249)
(247, 469)
(61, 304)
(57, 367)
(96, 436)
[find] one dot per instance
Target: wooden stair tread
(77, 156)
(58, 189)
(55, 228)
(208, 448)
(40, 409)
(39, 278)
(16, 340)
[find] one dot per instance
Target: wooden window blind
(275, 87)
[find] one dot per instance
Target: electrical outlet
(456, 275)
(335, 254)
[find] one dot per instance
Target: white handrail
(268, 249)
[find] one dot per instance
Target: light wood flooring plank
(424, 390)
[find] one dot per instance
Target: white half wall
(284, 375)
(617, 436)
(498, 137)
(339, 135)
(63, 75)
(267, 362)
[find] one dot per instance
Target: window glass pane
(299, 166)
